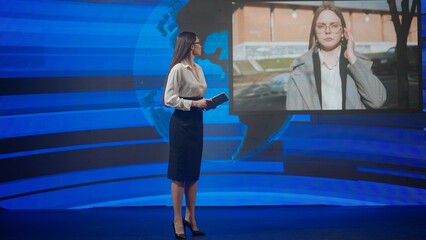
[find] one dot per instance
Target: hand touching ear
(349, 53)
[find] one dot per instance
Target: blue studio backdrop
(82, 125)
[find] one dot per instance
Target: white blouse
(183, 83)
(331, 84)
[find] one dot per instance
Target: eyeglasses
(198, 43)
(334, 27)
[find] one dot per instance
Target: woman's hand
(350, 45)
(202, 103)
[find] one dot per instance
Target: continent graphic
(194, 16)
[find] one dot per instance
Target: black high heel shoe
(178, 236)
(194, 232)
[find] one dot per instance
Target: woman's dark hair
(318, 11)
(184, 42)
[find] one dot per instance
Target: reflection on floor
(283, 222)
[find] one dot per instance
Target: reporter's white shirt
(331, 85)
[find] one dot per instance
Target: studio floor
(224, 223)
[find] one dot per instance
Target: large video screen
(311, 57)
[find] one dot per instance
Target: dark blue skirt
(186, 144)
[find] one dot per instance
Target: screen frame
(420, 96)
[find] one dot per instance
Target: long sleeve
(294, 100)
(172, 97)
(370, 88)
(182, 84)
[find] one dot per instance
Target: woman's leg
(177, 195)
(190, 196)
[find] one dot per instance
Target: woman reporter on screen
(331, 75)
(184, 90)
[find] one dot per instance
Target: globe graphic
(153, 53)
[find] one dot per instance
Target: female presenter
(184, 90)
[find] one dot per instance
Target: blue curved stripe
(235, 199)
(79, 147)
(100, 145)
(80, 177)
(340, 141)
(78, 9)
(69, 179)
(73, 121)
(393, 172)
(45, 102)
(42, 26)
(234, 189)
